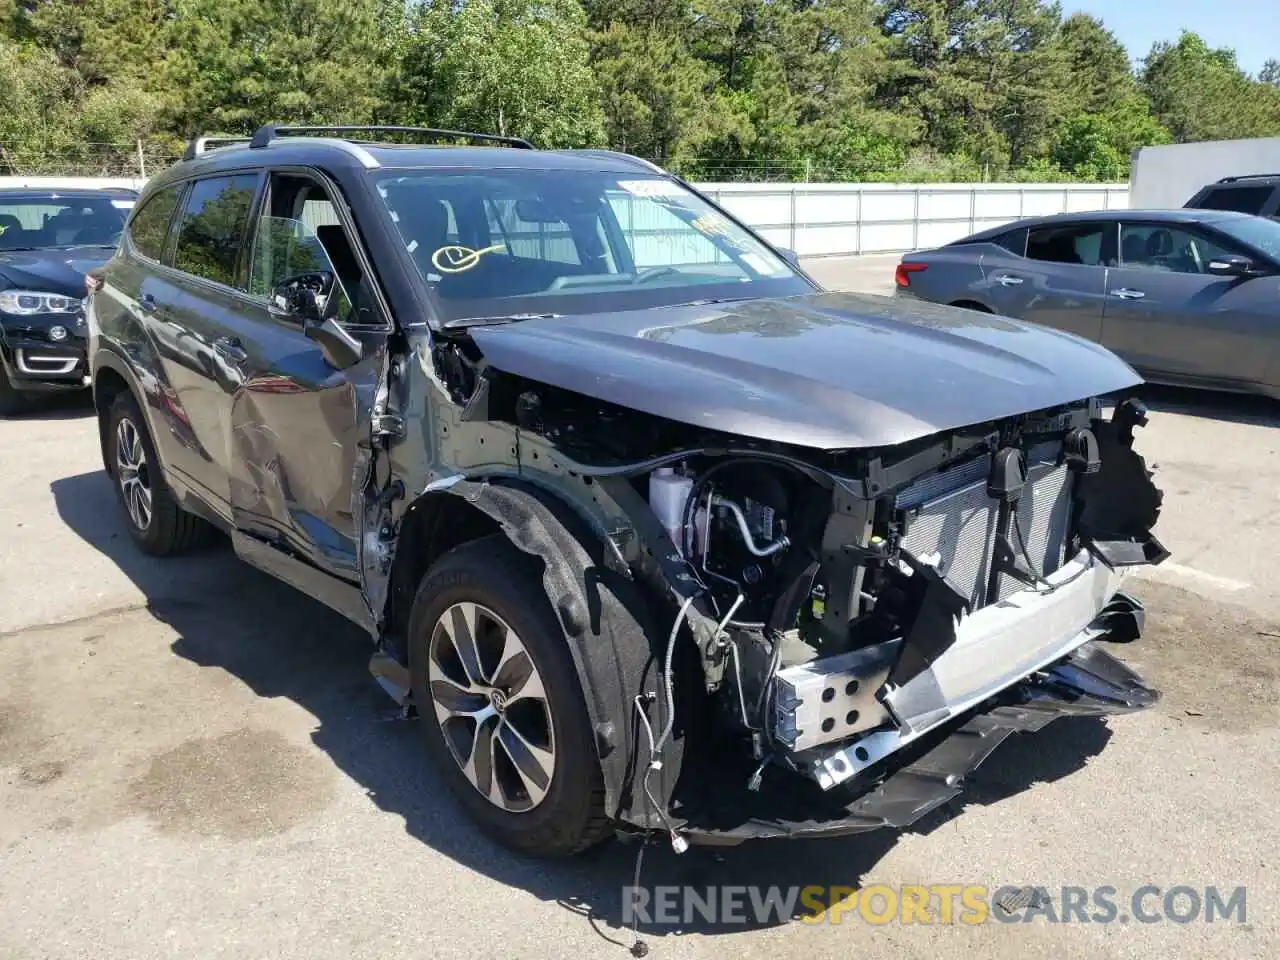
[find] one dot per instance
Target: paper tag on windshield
(651, 188)
(122, 204)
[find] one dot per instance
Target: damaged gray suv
(650, 532)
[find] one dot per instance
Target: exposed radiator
(1044, 515)
(953, 521)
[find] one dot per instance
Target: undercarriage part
(993, 651)
(833, 698)
(1089, 683)
(392, 676)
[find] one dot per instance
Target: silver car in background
(1188, 297)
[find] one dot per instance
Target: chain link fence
(138, 159)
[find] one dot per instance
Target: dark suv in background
(651, 531)
(1258, 194)
(49, 240)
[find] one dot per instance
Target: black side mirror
(340, 348)
(1234, 266)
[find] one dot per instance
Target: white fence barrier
(832, 219)
(839, 219)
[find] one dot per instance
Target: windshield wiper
(492, 321)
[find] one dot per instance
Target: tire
(157, 524)
(12, 400)
(556, 817)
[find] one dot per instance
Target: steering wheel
(653, 273)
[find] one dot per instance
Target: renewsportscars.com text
(939, 903)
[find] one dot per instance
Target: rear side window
(214, 226)
(1079, 243)
(1240, 199)
(150, 225)
(1015, 241)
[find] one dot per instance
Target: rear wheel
(157, 524)
(500, 704)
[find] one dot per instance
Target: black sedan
(49, 240)
(1188, 297)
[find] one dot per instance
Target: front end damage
(779, 641)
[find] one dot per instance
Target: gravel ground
(193, 761)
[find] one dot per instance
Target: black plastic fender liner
(607, 623)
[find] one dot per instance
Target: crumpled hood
(828, 370)
(51, 271)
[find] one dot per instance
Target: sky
(1252, 27)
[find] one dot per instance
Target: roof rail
(265, 134)
(199, 145)
(619, 155)
(1250, 176)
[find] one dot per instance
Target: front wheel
(500, 704)
(157, 524)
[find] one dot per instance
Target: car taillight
(902, 275)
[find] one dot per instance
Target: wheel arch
(112, 377)
(605, 617)
(969, 304)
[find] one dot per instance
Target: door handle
(147, 303)
(1008, 281)
(1126, 294)
(231, 349)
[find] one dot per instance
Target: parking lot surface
(194, 762)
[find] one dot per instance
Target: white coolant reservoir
(668, 493)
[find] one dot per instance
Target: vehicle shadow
(61, 406)
(1212, 404)
(282, 644)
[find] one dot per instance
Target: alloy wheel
(492, 707)
(133, 473)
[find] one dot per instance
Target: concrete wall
(1169, 176)
(839, 219)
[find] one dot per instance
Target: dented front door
(299, 435)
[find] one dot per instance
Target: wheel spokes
(516, 674)
(460, 628)
(479, 766)
(491, 706)
(532, 764)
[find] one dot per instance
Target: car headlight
(57, 333)
(25, 303)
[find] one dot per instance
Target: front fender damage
(605, 619)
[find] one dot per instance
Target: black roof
(338, 152)
(1183, 215)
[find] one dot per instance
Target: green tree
(236, 64)
(1098, 66)
(512, 67)
(1200, 93)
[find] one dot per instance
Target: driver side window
(300, 242)
(1167, 248)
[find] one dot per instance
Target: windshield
(1261, 234)
(498, 243)
(42, 221)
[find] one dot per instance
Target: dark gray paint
(1182, 328)
(827, 371)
